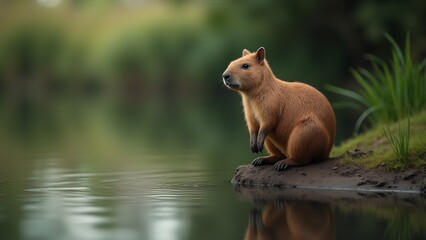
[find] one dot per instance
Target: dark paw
(258, 161)
(260, 147)
(260, 141)
(254, 147)
(280, 166)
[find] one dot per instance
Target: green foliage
(400, 142)
(31, 49)
(164, 47)
(156, 47)
(388, 87)
(382, 153)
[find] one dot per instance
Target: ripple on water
(156, 186)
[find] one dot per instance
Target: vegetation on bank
(379, 149)
(388, 94)
(390, 90)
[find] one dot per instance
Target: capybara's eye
(245, 66)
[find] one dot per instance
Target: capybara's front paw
(253, 146)
(259, 147)
(260, 141)
(258, 161)
(253, 143)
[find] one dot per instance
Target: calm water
(105, 171)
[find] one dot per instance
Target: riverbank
(365, 163)
(333, 175)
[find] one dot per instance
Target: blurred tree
(310, 41)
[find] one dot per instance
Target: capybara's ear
(245, 52)
(260, 55)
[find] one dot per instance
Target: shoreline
(334, 176)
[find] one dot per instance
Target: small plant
(399, 142)
(388, 88)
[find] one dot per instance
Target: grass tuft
(375, 140)
(399, 142)
(387, 88)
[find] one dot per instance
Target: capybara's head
(247, 72)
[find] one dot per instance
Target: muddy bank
(332, 175)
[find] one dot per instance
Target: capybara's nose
(226, 76)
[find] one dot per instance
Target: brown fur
(294, 121)
(292, 220)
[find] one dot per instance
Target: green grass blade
(374, 59)
(372, 86)
(346, 104)
(347, 93)
(364, 115)
(395, 47)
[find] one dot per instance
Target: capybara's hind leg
(307, 142)
(286, 163)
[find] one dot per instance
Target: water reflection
(320, 214)
(71, 203)
(281, 219)
(62, 204)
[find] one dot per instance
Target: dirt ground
(332, 175)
